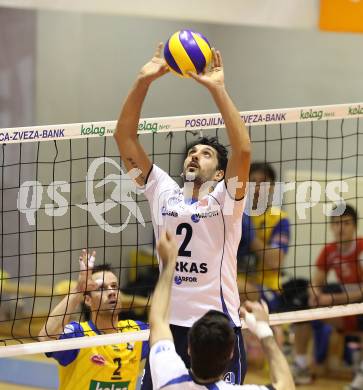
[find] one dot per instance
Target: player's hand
(255, 314)
(258, 309)
(167, 249)
(214, 77)
(86, 264)
(155, 68)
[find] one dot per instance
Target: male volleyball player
(210, 341)
(272, 231)
(205, 214)
(99, 367)
(343, 256)
(270, 244)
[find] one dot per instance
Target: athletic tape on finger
(260, 328)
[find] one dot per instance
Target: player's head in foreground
(211, 340)
(211, 343)
(344, 226)
(264, 177)
(206, 160)
(102, 296)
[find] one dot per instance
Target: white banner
(181, 123)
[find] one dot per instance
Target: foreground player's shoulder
(166, 366)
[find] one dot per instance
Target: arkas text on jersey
(184, 266)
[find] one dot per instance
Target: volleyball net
(64, 188)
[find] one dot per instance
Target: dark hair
(222, 152)
(345, 210)
(211, 341)
(266, 168)
(105, 267)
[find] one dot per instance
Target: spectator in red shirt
(344, 256)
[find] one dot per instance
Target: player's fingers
(83, 259)
(158, 50)
(84, 254)
(219, 59)
(82, 265)
(164, 235)
(92, 259)
(213, 62)
(249, 306)
(168, 235)
(242, 312)
(194, 75)
(165, 68)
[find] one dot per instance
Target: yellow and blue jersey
(102, 367)
(273, 228)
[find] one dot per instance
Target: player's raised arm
(159, 312)
(256, 317)
(239, 161)
(132, 153)
(60, 315)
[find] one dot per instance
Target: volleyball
(187, 51)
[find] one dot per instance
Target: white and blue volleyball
(187, 51)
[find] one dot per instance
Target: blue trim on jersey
(93, 327)
(212, 387)
(224, 306)
(180, 379)
(239, 358)
(190, 201)
(248, 235)
(142, 325)
(65, 358)
(280, 235)
(145, 344)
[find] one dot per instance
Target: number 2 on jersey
(117, 374)
(188, 235)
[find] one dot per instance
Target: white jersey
(168, 372)
(208, 233)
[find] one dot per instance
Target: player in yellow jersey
(113, 367)
(269, 241)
